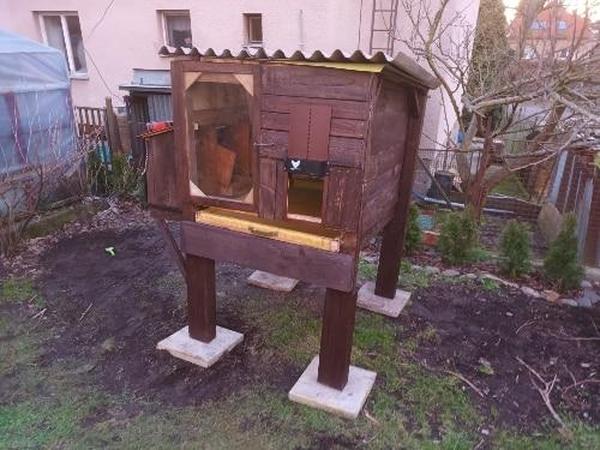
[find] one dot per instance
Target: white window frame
(164, 13)
(247, 19)
(65, 31)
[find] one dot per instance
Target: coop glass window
(177, 28)
(254, 32)
(219, 114)
(63, 31)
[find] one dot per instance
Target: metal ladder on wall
(384, 17)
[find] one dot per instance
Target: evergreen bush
(561, 264)
(515, 249)
(413, 231)
(459, 237)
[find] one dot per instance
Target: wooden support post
(201, 295)
(392, 244)
(112, 128)
(336, 338)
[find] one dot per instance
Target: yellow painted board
(355, 67)
(250, 223)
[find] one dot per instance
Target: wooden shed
(289, 165)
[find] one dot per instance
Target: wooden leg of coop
(201, 296)
(390, 257)
(336, 338)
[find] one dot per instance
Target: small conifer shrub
(459, 237)
(413, 231)
(515, 249)
(561, 264)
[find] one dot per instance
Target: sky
(579, 5)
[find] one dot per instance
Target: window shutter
(309, 132)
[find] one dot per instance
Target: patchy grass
(367, 270)
(409, 278)
(18, 290)
(48, 403)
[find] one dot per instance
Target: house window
(538, 25)
(561, 25)
(177, 28)
(529, 52)
(253, 25)
(63, 31)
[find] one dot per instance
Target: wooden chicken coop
(290, 165)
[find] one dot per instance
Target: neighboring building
(103, 41)
(552, 34)
(575, 188)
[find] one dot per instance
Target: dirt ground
(448, 373)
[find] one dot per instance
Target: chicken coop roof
(401, 65)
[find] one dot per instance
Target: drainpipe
(301, 29)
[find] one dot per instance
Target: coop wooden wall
(384, 156)
(161, 172)
(348, 94)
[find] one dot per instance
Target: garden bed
(80, 369)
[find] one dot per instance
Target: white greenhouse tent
(37, 128)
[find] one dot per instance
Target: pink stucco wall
(130, 34)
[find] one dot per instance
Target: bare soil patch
(473, 325)
(129, 310)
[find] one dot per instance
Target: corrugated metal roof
(400, 63)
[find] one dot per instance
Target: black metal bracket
(313, 169)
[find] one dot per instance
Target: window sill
(79, 76)
(254, 45)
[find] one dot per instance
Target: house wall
(129, 34)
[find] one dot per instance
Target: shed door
(309, 132)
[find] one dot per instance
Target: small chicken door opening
(305, 198)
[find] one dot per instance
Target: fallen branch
(580, 383)
(574, 338)
(86, 311)
(39, 314)
(526, 324)
(545, 394)
(466, 381)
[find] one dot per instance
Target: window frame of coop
(339, 122)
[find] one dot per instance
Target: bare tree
(517, 114)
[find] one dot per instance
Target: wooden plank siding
(315, 82)
(349, 128)
(385, 152)
(340, 109)
(319, 267)
(346, 152)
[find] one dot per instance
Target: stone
(551, 296)
(499, 280)
(530, 292)
(346, 403)
(549, 221)
(588, 298)
(585, 284)
(568, 302)
(203, 354)
(390, 307)
(431, 270)
(450, 273)
(268, 280)
(471, 276)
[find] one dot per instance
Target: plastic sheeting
(36, 115)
